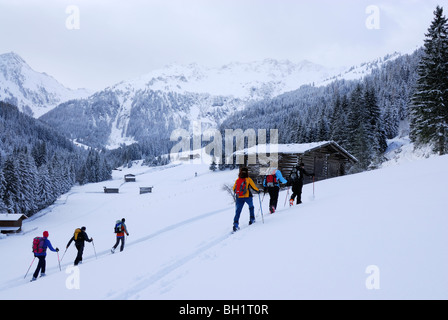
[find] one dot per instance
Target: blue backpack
(118, 226)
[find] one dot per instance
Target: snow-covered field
(375, 235)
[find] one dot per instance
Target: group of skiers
(41, 244)
(244, 185)
(243, 190)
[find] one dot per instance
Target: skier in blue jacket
(41, 256)
(271, 184)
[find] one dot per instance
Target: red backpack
(38, 245)
(241, 187)
(271, 180)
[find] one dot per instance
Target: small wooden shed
(325, 159)
(110, 190)
(190, 156)
(11, 222)
(129, 178)
(144, 190)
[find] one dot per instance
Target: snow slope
(180, 246)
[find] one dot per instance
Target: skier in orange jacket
(242, 189)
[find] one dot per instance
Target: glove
(57, 249)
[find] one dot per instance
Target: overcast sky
(123, 39)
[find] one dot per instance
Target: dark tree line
(37, 164)
(429, 109)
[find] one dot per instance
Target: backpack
(241, 187)
(295, 175)
(271, 180)
(38, 245)
(77, 234)
(118, 226)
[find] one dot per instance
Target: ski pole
(313, 188)
(94, 250)
(59, 261)
(64, 254)
(287, 195)
(261, 207)
(29, 267)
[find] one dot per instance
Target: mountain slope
(33, 92)
(256, 80)
(176, 96)
(180, 245)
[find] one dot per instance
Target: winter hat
(83, 228)
(45, 234)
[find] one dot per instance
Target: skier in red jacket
(42, 255)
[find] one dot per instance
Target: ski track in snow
(144, 282)
(151, 278)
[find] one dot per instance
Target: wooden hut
(326, 159)
(129, 177)
(187, 156)
(144, 190)
(10, 223)
(111, 190)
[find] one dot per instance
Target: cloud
(119, 40)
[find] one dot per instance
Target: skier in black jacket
(79, 237)
(296, 179)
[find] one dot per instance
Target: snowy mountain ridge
(254, 80)
(32, 92)
(166, 99)
(37, 93)
(176, 96)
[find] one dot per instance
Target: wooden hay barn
(189, 156)
(326, 159)
(144, 190)
(129, 178)
(10, 223)
(111, 190)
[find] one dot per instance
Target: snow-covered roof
(292, 148)
(11, 216)
(282, 148)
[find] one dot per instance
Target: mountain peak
(258, 79)
(34, 93)
(11, 56)
(11, 63)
